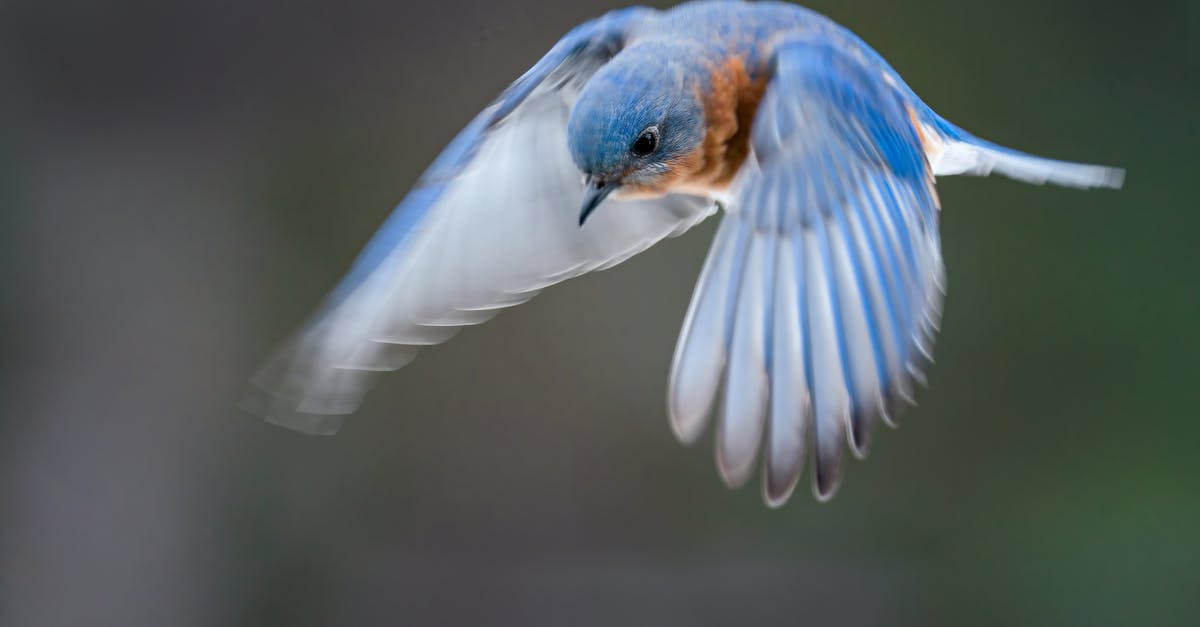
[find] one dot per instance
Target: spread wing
(817, 306)
(492, 222)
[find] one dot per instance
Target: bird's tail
(955, 151)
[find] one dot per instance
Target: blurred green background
(181, 182)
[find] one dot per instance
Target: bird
(814, 315)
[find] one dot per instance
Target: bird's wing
(817, 306)
(493, 221)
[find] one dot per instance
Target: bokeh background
(181, 182)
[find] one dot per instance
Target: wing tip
(777, 497)
(274, 410)
(825, 487)
(308, 424)
(828, 470)
(687, 427)
(778, 487)
(862, 424)
(735, 469)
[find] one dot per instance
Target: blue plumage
(817, 306)
(643, 88)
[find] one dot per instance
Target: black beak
(594, 193)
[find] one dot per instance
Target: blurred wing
(821, 294)
(492, 222)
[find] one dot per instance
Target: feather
(791, 402)
(745, 399)
(831, 403)
(700, 352)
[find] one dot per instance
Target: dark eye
(646, 143)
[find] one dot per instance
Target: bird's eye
(646, 143)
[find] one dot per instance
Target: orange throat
(729, 108)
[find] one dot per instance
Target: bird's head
(632, 134)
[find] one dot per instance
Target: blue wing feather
(860, 289)
(842, 175)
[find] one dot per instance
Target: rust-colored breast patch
(729, 109)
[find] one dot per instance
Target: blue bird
(816, 309)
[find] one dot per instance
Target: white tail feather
(952, 156)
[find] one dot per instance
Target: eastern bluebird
(818, 304)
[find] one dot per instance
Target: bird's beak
(594, 193)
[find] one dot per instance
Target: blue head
(636, 127)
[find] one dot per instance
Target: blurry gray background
(181, 182)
